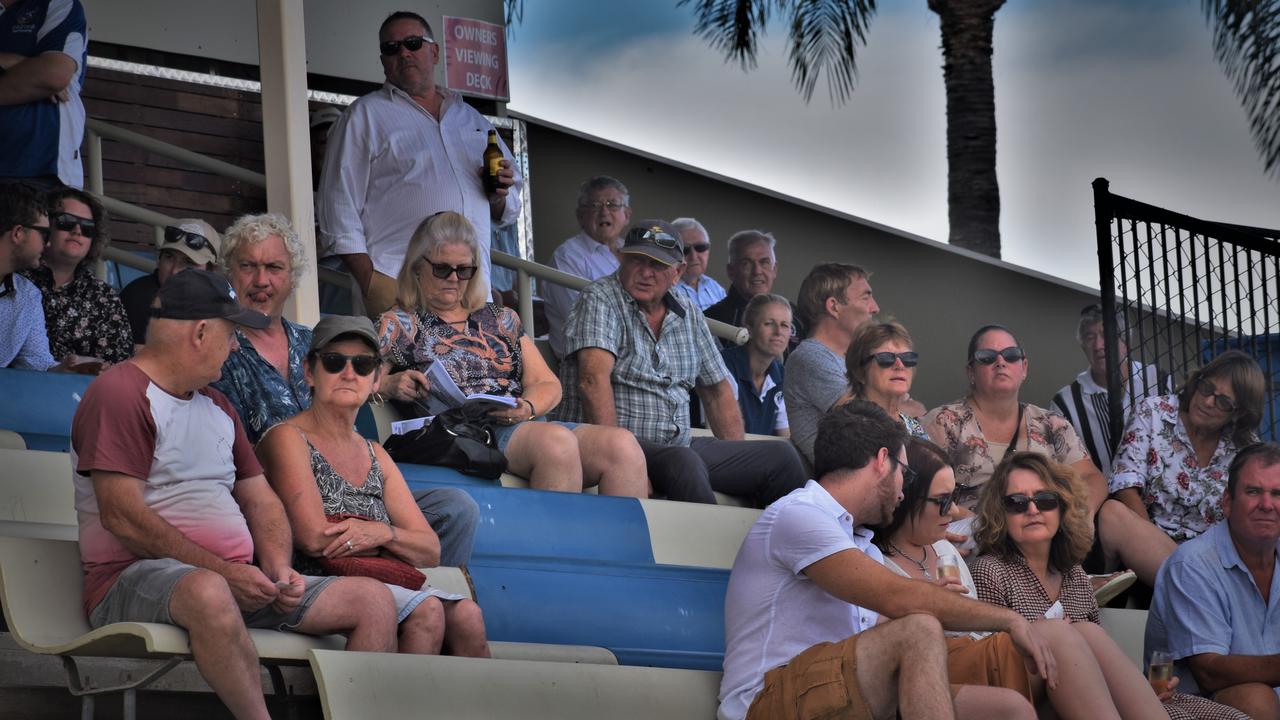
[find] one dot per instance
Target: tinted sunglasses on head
(1010, 354)
(697, 248)
(195, 241)
(334, 363)
(1220, 401)
(887, 359)
(66, 222)
(661, 239)
(944, 503)
(414, 43)
(444, 270)
(1044, 502)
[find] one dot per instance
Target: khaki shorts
(821, 682)
(993, 661)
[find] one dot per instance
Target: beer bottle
(492, 163)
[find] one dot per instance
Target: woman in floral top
(441, 316)
(981, 429)
(1032, 532)
(870, 378)
(83, 315)
(1172, 461)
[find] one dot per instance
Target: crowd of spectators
(216, 467)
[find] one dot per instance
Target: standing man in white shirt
(604, 212)
(401, 153)
(696, 284)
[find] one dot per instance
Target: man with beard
(604, 209)
(405, 151)
(812, 617)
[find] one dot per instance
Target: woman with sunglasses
(322, 470)
(881, 365)
(914, 545)
(991, 423)
(86, 322)
(1032, 531)
(1172, 462)
(441, 316)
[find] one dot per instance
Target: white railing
(96, 130)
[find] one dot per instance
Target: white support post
(282, 59)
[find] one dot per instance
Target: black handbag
(460, 438)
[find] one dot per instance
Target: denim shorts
(502, 434)
(143, 590)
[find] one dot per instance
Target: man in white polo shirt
(803, 628)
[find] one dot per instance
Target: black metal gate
(1187, 289)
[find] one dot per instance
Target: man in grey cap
(174, 509)
(634, 349)
(188, 243)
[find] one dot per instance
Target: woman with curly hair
(1032, 530)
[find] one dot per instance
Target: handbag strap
(1017, 433)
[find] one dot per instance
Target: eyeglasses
(887, 359)
(908, 475)
(413, 42)
(66, 222)
(1044, 500)
(334, 363)
(965, 493)
(195, 241)
(444, 270)
(1220, 401)
(609, 205)
(661, 239)
(697, 248)
(42, 229)
(944, 502)
(1010, 354)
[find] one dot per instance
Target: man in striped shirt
(1085, 401)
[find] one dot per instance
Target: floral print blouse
(84, 317)
(484, 357)
(1157, 457)
(955, 428)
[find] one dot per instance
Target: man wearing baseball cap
(188, 243)
(634, 349)
(173, 506)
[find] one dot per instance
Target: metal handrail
(97, 129)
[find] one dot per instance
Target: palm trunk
(973, 193)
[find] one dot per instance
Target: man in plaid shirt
(634, 349)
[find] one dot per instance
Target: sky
(1129, 91)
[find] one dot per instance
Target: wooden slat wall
(224, 124)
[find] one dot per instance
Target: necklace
(918, 563)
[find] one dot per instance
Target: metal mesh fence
(1179, 291)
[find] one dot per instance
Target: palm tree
(1246, 40)
(824, 36)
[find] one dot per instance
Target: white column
(282, 59)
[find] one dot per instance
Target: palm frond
(824, 36)
(514, 15)
(732, 26)
(1246, 40)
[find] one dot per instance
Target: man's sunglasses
(1220, 401)
(1010, 354)
(42, 229)
(66, 222)
(887, 359)
(697, 248)
(413, 42)
(334, 363)
(444, 270)
(944, 503)
(195, 241)
(1044, 500)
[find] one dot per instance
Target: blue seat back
(40, 405)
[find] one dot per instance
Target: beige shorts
(821, 682)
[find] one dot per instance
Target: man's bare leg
(914, 643)
(359, 607)
(422, 633)
(203, 605)
(612, 459)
